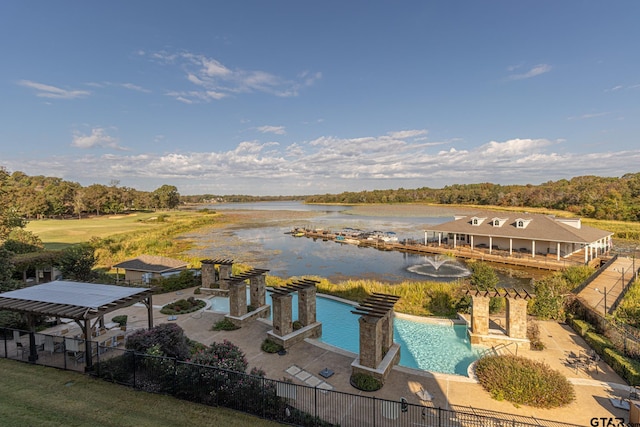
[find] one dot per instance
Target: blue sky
(301, 97)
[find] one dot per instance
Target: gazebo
(84, 303)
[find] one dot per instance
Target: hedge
(627, 368)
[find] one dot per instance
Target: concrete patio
(593, 387)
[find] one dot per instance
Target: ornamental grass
(524, 381)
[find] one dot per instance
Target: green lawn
(40, 396)
(59, 233)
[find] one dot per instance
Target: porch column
(425, 237)
(510, 246)
(533, 249)
(439, 238)
(455, 240)
(472, 242)
(558, 251)
(490, 244)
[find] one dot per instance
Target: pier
(523, 259)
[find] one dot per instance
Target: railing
(280, 401)
(595, 275)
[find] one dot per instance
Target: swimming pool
(425, 345)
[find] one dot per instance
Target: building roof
(74, 300)
(538, 227)
(152, 264)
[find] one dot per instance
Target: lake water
(298, 256)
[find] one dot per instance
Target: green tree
(9, 216)
(166, 197)
(483, 276)
(21, 241)
(77, 262)
(7, 268)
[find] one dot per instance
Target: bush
(524, 382)
(627, 368)
(186, 279)
(365, 382)
(225, 355)
(269, 346)
(183, 306)
(580, 326)
(297, 325)
(533, 334)
(121, 320)
(169, 336)
(224, 325)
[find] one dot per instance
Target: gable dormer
(571, 222)
(498, 222)
(476, 221)
(522, 223)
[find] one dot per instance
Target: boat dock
(523, 259)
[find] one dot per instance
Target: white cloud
(97, 138)
(48, 91)
(278, 130)
(333, 164)
(533, 72)
(589, 116)
(215, 81)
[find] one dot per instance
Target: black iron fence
(280, 401)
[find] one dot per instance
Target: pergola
(84, 303)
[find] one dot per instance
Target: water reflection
(286, 256)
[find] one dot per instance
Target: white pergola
(84, 303)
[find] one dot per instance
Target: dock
(522, 259)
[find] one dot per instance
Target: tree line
(586, 196)
(605, 198)
(37, 197)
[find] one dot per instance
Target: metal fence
(275, 400)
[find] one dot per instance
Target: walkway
(593, 387)
(602, 292)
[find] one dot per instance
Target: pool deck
(593, 387)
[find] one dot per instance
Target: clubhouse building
(521, 235)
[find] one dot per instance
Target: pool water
(424, 345)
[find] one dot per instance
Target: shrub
(183, 306)
(533, 333)
(270, 346)
(297, 325)
(365, 382)
(580, 326)
(524, 382)
(121, 320)
(627, 368)
(224, 325)
(225, 355)
(186, 279)
(169, 336)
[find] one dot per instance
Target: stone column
(282, 314)
(517, 318)
(208, 273)
(370, 341)
(480, 315)
(258, 293)
(225, 274)
(307, 305)
(237, 299)
(387, 330)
